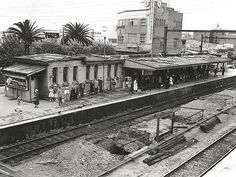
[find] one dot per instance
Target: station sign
(21, 84)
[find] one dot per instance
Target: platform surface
(8, 115)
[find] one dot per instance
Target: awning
(23, 69)
(160, 63)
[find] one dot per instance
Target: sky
(52, 14)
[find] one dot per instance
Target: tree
(10, 46)
(78, 32)
(26, 31)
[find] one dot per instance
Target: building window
(120, 39)
(131, 22)
(142, 38)
(121, 22)
(132, 38)
(65, 74)
(75, 71)
(109, 70)
(87, 72)
(161, 43)
(176, 42)
(116, 70)
(54, 75)
(143, 21)
(95, 71)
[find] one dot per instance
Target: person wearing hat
(36, 98)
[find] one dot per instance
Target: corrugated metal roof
(46, 58)
(24, 69)
(175, 62)
(102, 59)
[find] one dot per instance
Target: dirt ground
(83, 158)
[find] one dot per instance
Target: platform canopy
(161, 63)
(24, 70)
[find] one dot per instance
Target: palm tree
(78, 32)
(26, 31)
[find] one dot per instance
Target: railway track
(204, 160)
(25, 148)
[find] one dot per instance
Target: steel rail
(201, 152)
(158, 144)
(91, 127)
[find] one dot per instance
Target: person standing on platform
(36, 98)
(135, 85)
(18, 108)
(82, 87)
(59, 94)
(96, 84)
(171, 81)
(50, 95)
(100, 82)
(223, 70)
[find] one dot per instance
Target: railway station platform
(225, 168)
(16, 126)
(9, 116)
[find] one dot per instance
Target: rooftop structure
(142, 30)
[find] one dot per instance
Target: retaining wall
(21, 131)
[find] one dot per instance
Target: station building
(142, 30)
(40, 71)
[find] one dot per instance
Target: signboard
(21, 84)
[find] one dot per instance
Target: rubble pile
(78, 158)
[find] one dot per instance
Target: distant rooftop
(135, 10)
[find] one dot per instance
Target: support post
(165, 41)
(172, 123)
(201, 44)
(158, 129)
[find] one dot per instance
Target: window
(120, 39)
(116, 69)
(121, 22)
(54, 75)
(95, 71)
(131, 22)
(87, 72)
(132, 38)
(143, 21)
(109, 70)
(176, 42)
(75, 71)
(65, 74)
(142, 38)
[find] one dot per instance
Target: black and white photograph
(117, 88)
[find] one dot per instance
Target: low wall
(75, 117)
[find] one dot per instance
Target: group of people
(74, 90)
(35, 101)
(131, 85)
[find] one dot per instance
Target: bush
(49, 47)
(10, 47)
(98, 48)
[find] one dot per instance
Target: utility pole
(172, 122)
(104, 49)
(152, 15)
(157, 129)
